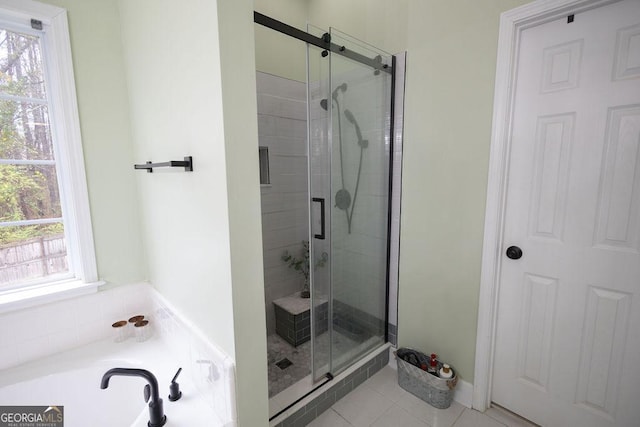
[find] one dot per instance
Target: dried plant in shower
(301, 265)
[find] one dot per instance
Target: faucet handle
(175, 377)
(174, 388)
(147, 392)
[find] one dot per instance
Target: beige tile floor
(380, 402)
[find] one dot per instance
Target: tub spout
(152, 395)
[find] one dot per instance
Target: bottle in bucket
(433, 365)
(445, 371)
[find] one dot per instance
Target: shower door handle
(321, 201)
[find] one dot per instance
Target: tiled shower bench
(293, 320)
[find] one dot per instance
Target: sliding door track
(323, 42)
(328, 377)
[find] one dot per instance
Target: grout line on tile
(458, 417)
(340, 415)
(382, 414)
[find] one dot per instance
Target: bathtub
(72, 379)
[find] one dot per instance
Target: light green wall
(378, 22)
(381, 23)
(235, 21)
(173, 74)
(451, 61)
(104, 121)
(278, 54)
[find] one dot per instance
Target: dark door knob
(514, 252)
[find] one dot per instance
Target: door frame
(512, 23)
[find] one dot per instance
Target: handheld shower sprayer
(349, 115)
(343, 199)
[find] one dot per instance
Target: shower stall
(350, 155)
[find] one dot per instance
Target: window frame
(67, 142)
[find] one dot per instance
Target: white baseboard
(464, 393)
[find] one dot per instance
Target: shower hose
(343, 197)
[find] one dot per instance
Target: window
(45, 228)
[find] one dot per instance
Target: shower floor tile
(278, 349)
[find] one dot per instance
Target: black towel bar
(187, 164)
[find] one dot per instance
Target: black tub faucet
(156, 412)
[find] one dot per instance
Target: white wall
(282, 128)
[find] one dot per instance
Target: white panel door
(568, 327)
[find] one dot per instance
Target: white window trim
(66, 135)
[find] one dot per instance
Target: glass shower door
(349, 123)
(318, 119)
(360, 153)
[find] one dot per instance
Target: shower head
(334, 95)
(349, 115)
(341, 88)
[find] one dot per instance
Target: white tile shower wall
(367, 97)
(282, 127)
(40, 331)
(210, 368)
